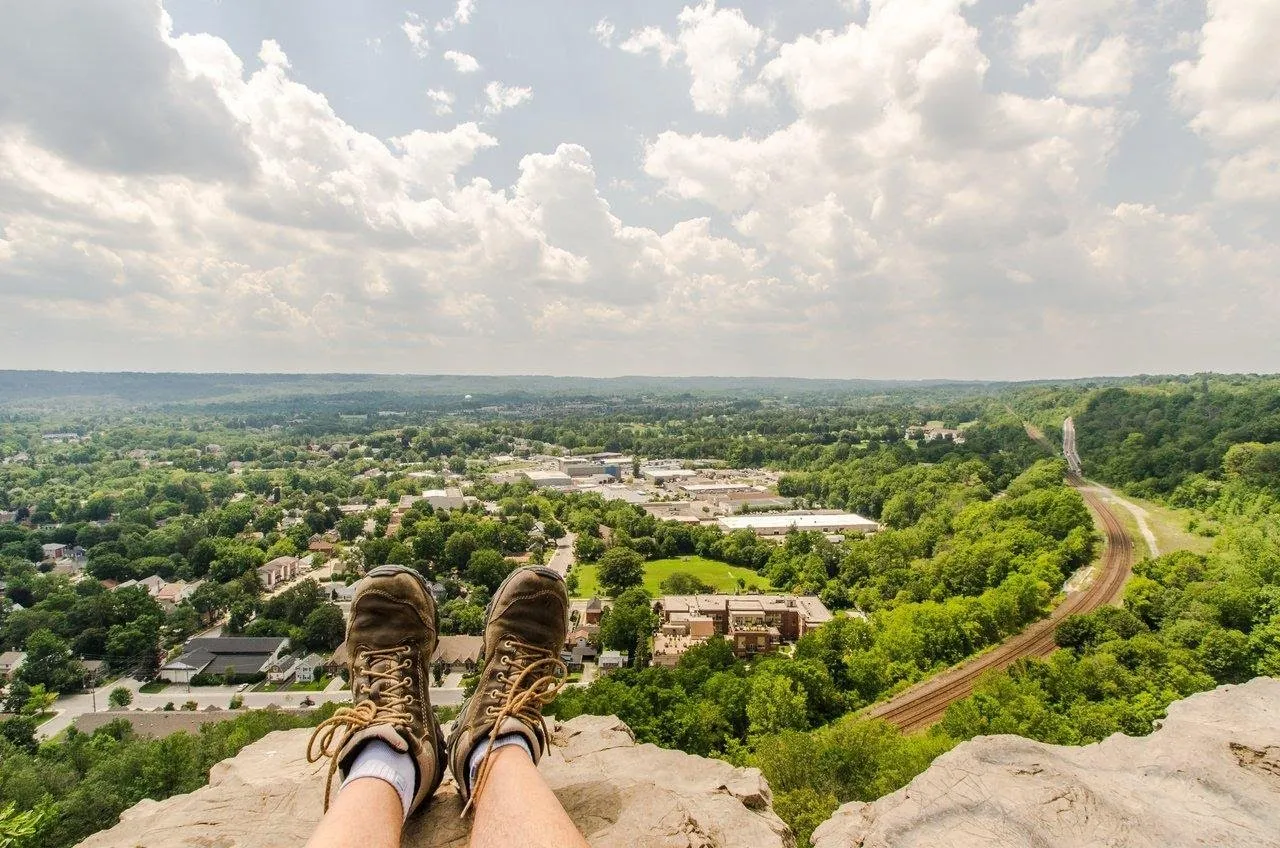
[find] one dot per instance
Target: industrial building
(779, 524)
(548, 479)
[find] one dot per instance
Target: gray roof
(243, 654)
(313, 660)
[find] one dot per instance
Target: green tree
(324, 629)
(120, 697)
(619, 570)
(776, 704)
(486, 567)
(49, 663)
(629, 622)
(684, 583)
(39, 700)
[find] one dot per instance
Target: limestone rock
(617, 792)
(1210, 776)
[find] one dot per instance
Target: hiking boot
(390, 641)
(523, 636)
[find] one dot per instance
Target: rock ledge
(1210, 776)
(619, 793)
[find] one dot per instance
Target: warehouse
(780, 523)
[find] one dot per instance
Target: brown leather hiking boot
(390, 640)
(523, 636)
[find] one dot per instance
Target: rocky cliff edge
(1210, 776)
(619, 793)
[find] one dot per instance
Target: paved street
(206, 696)
(562, 558)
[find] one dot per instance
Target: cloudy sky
(834, 188)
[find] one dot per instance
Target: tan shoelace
(389, 707)
(523, 703)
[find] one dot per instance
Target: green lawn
(722, 576)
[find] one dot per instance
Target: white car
(242, 687)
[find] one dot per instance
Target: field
(722, 576)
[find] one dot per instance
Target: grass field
(1169, 525)
(722, 576)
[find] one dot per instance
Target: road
(68, 709)
(925, 703)
(563, 556)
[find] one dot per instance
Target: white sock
(482, 747)
(379, 760)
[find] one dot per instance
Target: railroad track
(925, 703)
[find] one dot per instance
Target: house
(445, 498)
(309, 668)
(321, 546)
(280, 570)
(53, 551)
(610, 660)
(10, 662)
(459, 653)
(337, 591)
(282, 669)
(244, 656)
(172, 594)
(8, 516)
(595, 609)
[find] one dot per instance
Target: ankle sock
(379, 760)
(484, 746)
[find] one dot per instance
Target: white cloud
(500, 97)
(200, 209)
(717, 45)
(604, 31)
(416, 31)
(1232, 92)
(461, 16)
(442, 100)
(463, 63)
(1081, 42)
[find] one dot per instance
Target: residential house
(610, 660)
(320, 545)
(280, 570)
(309, 668)
(10, 662)
(459, 653)
(8, 516)
(245, 656)
(54, 551)
(595, 609)
(337, 591)
(282, 669)
(172, 594)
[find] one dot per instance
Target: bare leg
(366, 814)
(518, 808)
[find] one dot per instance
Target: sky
(971, 189)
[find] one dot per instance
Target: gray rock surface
(617, 792)
(1210, 776)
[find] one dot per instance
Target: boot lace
(388, 704)
(531, 678)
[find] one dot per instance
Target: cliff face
(1210, 776)
(617, 792)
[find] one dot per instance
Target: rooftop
(786, 520)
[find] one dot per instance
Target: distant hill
(36, 389)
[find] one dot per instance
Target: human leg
(523, 637)
(367, 813)
(387, 744)
(518, 808)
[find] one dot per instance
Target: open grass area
(722, 576)
(1169, 526)
(153, 688)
